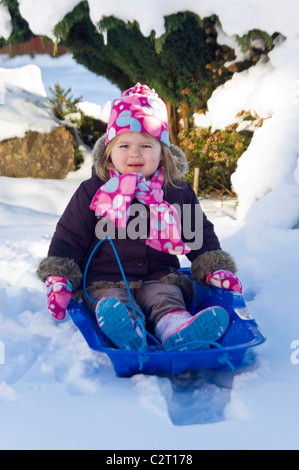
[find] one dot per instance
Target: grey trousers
(153, 298)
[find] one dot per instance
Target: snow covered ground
(55, 393)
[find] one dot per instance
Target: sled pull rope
(138, 321)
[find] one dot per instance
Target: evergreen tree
(184, 66)
(175, 65)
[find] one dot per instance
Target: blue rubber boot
(116, 323)
(208, 325)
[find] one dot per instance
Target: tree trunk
(173, 123)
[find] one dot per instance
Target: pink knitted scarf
(113, 199)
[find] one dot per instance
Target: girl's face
(136, 153)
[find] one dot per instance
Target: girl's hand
(59, 293)
(224, 280)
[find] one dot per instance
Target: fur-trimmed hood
(180, 157)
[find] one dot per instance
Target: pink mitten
(59, 292)
(224, 280)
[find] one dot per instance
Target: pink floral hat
(139, 109)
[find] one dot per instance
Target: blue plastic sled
(242, 334)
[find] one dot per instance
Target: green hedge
(215, 154)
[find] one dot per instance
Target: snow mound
(27, 78)
(265, 180)
(24, 105)
(5, 22)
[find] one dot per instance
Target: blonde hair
(169, 163)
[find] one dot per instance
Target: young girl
(137, 171)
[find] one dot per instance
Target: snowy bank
(265, 180)
(24, 104)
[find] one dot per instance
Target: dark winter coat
(75, 239)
